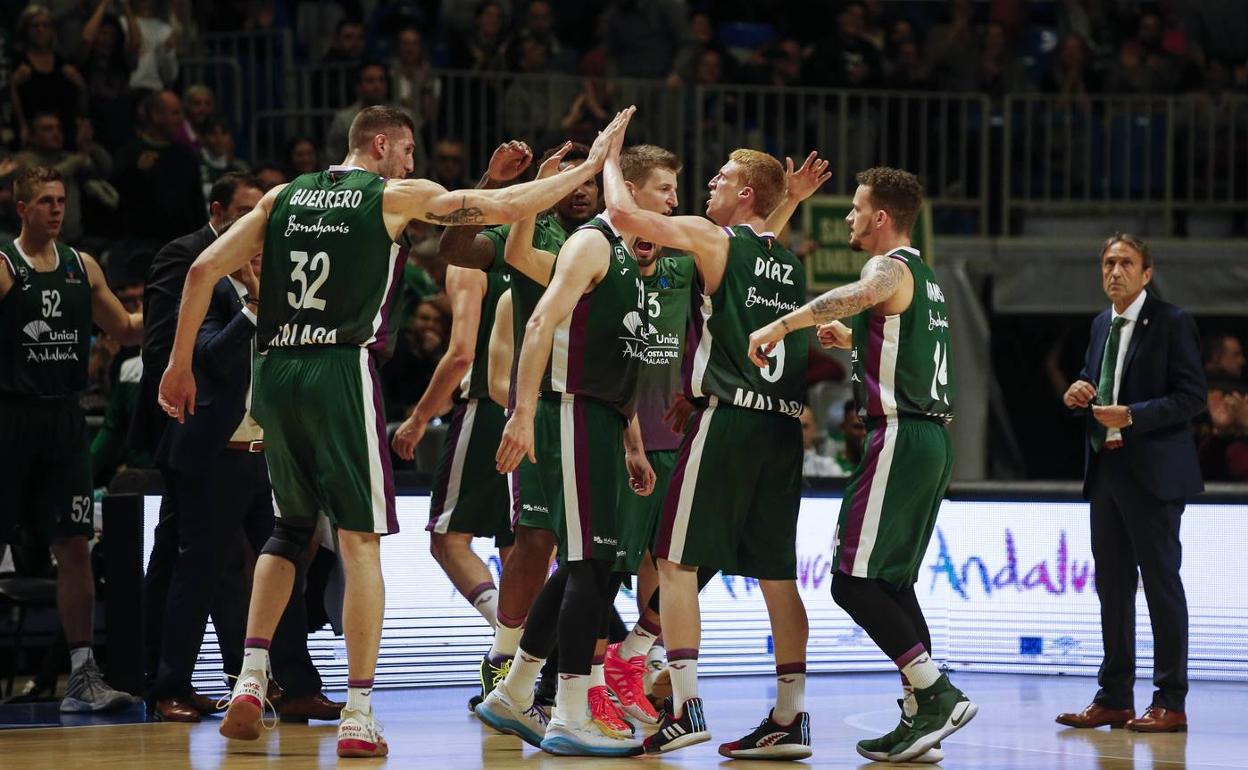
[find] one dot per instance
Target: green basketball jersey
(476, 382)
(45, 325)
(762, 281)
(901, 362)
(330, 266)
(597, 348)
(669, 292)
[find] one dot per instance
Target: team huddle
(609, 363)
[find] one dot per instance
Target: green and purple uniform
(329, 272)
(528, 505)
(904, 390)
(45, 343)
(588, 395)
(469, 494)
(735, 492)
(669, 291)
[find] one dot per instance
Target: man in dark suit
(1140, 468)
(216, 470)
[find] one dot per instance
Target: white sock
(486, 603)
(638, 642)
(684, 671)
(506, 642)
(921, 672)
(256, 659)
(79, 656)
(597, 675)
(790, 695)
(572, 699)
(359, 695)
(525, 669)
(909, 706)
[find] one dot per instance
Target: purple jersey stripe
(383, 332)
(858, 505)
(871, 367)
(580, 461)
(443, 480)
(693, 338)
(576, 343)
(383, 446)
(663, 543)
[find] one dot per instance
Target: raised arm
(107, 311)
(459, 245)
(587, 259)
(799, 185)
(520, 252)
(465, 288)
(502, 349)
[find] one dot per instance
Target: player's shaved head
(380, 119)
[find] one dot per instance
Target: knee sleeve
(289, 541)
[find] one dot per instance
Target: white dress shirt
(1129, 316)
(248, 429)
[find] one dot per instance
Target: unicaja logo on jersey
(36, 329)
(638, 331)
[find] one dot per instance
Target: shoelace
(501, 673)
(224, 702)
(537, 713)
(604, 711)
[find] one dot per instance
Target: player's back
(762, 281)
(330, 264)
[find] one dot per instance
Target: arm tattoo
(464, 215)
(880, 278)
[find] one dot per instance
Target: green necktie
(1105, 388)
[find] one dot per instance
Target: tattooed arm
(880, 279)
(464, 246)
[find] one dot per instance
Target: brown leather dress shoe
(204, 705)
(175, 710)
(1097, 715)
(315, 706)
(1155, 719)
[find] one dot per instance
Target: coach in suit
(1140, 468)
(216, 470)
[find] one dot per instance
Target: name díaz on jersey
(936, 320)
(752, 400)
(774, 302)
(303, 334)
(318, 228)
(326, 199)
(773, 270)
(934, 293)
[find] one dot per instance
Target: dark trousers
(1135, 534)
(233, 495)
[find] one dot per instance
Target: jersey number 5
(307, 298)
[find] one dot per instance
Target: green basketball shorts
(890, 505)
(325, 436)
(580, 458)
(46, 456)
(469, 494)
(734, 495)
(528, 503)
(639, 516)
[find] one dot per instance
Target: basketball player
(469, 498)
(316, 389)
(583, 428)
(528, 564)
(50, 295)
(743, 522)
(899, 334)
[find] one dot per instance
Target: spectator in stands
(42, 80)
(906, 69)
(415, 89)
(371, 89)
(875, 24)
(1143, 66)
(484, 47)
(1224, 357)
(111, 449)
(702, 39)
(953, 50)
(781, 65)
(269, 175)
(201, 107)
(1000, 70)
(331, 83)
(450, 166)
(646, 39)
(1071, 75)
(1222, 440)
(9, 169)
(816, 460)
(108, 57)
(847, 59)
(158, 179)
(90, 163)
(157, 66)
(301, 157)
(405, 377)
(539, 23)
(532, 105)
(591, 110)
(216, 159)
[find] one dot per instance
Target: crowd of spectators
(1222, 433)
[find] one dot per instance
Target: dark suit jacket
(162, 298)
(1163, 382)
(222, 367)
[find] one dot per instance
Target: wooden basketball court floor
(431, 728)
